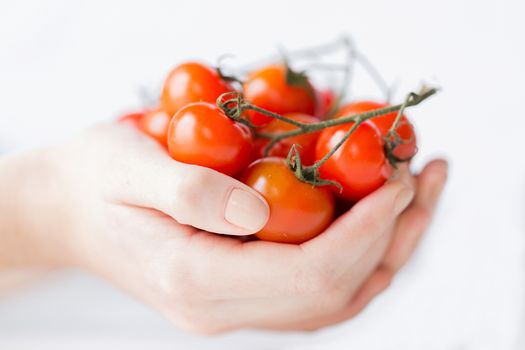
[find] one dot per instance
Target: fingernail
(246, 210)
(403, 199)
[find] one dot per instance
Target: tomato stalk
(413, 99)
(320, 162)
(347, 68)
(351, 54)
(375, 75)
(325, 66)
(309, 174)
(321, 49)
(227, 77)
(312, 52)
(233, 106)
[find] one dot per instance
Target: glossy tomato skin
(359, 165)
(201, 134)
(132, 118)
(267, 88)
(405, 129)
(191, 82)
(298, 211)
(154, 123)
(305, 142)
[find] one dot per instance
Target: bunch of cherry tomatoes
(274, 132)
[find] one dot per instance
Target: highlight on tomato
(305, 142)
(191, 82)
(408, 147)
(359, 165)
(201, 134)
(298, 211)
(280, 90)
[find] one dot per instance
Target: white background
(65, 65)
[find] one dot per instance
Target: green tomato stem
(310, 174)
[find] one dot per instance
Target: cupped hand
(128, 212)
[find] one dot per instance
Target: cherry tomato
(200, 133)
(270, 89)
(306, 142)
(191, 82)
(408, 147)
(154, 123)
(359, 165)
(132, 118)
(298, 211)
(326, 100)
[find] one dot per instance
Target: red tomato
(405, 150)
(359, 165)
(298, 211)
(306, 142)
(200, 133)
(154, 123)
(326, 100)
(191, 82)
(268, 88)
(132, 118)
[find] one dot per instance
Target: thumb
(193, 195)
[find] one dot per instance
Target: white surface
(65, 65)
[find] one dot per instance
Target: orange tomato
(201, 134)
(298, 211)
(191, 82)
(359, 165)
(270, 89)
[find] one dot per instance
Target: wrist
(32, 226)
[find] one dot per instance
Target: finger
(306, 303)
(275, 284)
(255, 269)
(352, 234)
(192, 195)
(377, 283)
(415, 220)
(380, 278)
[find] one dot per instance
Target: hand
(409, 227)
(109, 204)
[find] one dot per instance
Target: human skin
(112, 202)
